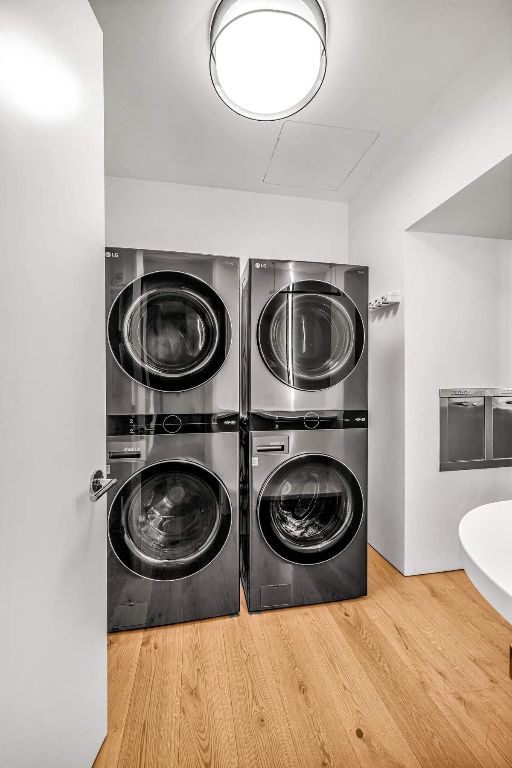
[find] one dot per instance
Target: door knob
(99, 485)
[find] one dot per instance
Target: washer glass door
(169, 331)
(170, 520)
(310, 335)
(310, 509)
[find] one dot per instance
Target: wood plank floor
(415, 674)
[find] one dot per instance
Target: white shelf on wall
(386, 300)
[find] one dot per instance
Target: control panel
(171, 423)
(300, 420)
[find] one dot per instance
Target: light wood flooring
(415, 674)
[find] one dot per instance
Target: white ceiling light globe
(267, 58)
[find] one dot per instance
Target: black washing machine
(173, 519)
(303, 508)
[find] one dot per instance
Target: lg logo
(111, 255)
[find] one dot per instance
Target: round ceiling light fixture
(267, 57)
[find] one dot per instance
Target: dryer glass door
(310, 335)
(169, 331)
(170, 520)
(310, 509)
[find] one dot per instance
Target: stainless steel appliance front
(172, 331)
(303, 522)
(173, 526)
(304, 336)
(475, 428)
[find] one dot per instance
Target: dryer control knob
(311, 420)
(172, 424)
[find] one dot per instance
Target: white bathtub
(485, 535)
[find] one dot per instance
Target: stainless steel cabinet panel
(466, 429)
(502, 427)
(475, 428)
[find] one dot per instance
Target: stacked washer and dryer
(172, 436)
(303, 433)
(181, 455)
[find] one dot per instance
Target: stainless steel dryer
(173, 552)
(172, 327)
(303, 510)
(304, 344)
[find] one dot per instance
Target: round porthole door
(310, 335)
(310, 508)
(170, 520)
(169, 331)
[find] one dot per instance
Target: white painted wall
(465, 133)
(482, 209)
(458, 333)
(53, 671)
(150, 214)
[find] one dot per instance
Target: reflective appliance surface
(172, 525)
(303, 516)
(304, 336)
(475, 428)
(172, 332)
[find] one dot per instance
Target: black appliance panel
(312, 420)
(171, 423)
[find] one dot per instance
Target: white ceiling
(332, 155)
(387, 61)
(482, 209)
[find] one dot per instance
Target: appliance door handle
(124, 454)
(467, 405)
(270, 448)
(99, 485)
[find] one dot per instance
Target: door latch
(99, 485)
